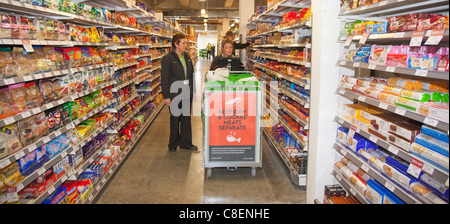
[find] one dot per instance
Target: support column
(225, 26)
(324, 103)
(246, 10)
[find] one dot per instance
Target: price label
(416, 40)
(8, 41)
(9, 120)
(343, 152)
(393, 149)
(427, 168)
(46, 139)
(389, 186)
(390, 69)
(431, 121)
(8, 81)
(351, 131)
(383, 106)
(435, 37)
(373, 139)
(399, 35)
(41, 171)
(27, 78)
(421, 72)
(353, 191)
(11, 194)
(348, 41)
(415, 167)
(365, 168)
(362, 98)
(372, 66)
(356, 64)
(19, 155)
(400, 111)
(339, 178)
(27, 46)
(364, 38)
(51, 189)
(343, 62)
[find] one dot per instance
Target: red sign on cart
(232, 126)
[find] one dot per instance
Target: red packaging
(432, 23)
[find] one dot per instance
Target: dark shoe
(173, 149)
(192, 148)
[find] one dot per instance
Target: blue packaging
(440, 135)
(433, 144)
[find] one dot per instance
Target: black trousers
(180, 128)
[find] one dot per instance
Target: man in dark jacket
(178, 89)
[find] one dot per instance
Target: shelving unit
(257, 60)
(111, 106)
(378, 12)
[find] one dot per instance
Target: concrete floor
(153, 175)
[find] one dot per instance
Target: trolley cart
(231, 124)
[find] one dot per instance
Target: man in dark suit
(178, 90)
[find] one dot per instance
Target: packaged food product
(6, 109)
(10, 138)
(425, 193)
(11, 175)
(26, 164)
(433, 144)
(39, 125)
(435, 133)
(5, 26)
(407, 103)
(17, 96)
(24, 28)
(378, 54)
(3, 149)
(15, 29)
(33, 96)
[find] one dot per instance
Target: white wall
(324, 103)
(203, 41)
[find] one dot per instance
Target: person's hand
(167, 102)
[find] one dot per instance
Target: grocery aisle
(153, 175)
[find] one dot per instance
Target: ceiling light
(206, 24)
(205, 20)
(203, 11)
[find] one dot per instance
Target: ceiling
(187, 12)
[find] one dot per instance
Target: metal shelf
(394, 109)
(406, 71)
(399, 191)
(398, 7)
(437, 173)
(298, 179)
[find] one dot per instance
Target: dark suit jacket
(172, 70)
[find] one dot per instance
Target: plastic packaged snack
(39, 126)
(46, 89)
(3, 149)
(17, 96)
(11, 138)
(49, 27)
(5, 26)
(15, 26)
(26, 164)
(11, 175)
(6, 109)
(24, 30)
(33, 96)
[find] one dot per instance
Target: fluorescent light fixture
(203, 11)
